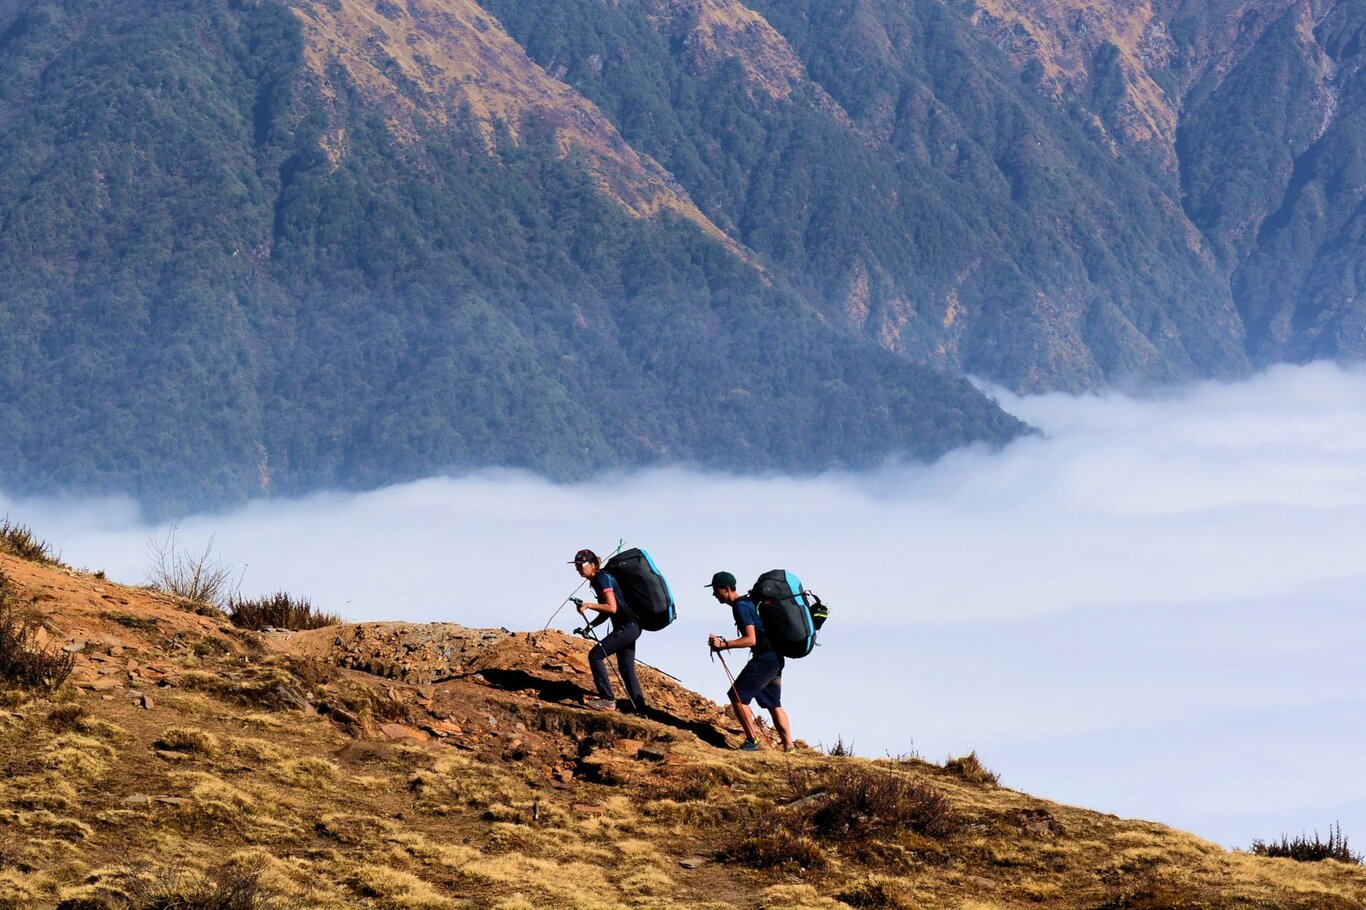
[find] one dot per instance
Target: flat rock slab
(402, 733)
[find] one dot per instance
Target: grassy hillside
(190, 763)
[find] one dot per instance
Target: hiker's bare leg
(780, 724)
(746, 720)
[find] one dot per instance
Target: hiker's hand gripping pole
(735, 694)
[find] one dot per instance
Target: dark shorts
(762, 680)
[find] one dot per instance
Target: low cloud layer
(1154, 608)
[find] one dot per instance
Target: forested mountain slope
(1254, 113)
(272, 246)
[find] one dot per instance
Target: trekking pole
(752, 719)
(660, 672)
(588, 629)
(572, 594)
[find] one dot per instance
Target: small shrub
(1304, 850)
(857, 806)
(22, 662)
(18, 540)
(970, 768)
(840, 749)
(232, 886)
(862, 802)
(201, 578)
(279, 611)
(772, 839)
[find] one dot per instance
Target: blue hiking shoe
(750, 745)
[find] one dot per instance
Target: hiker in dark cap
(611, 605)
(762, 677)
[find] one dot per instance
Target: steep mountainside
(1253, 111)
(265, 247)
(386, 766)
(252, 248)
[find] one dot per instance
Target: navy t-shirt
(603, 582)
(747, 614)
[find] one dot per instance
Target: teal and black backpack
(647, 593)
(791, 614)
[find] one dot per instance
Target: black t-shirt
(603, 582)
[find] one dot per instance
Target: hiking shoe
(750, 745)
(601, 704)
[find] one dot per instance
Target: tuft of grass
(129, 621)
(69, 718)
(1303, 849)
(22, 662)
(232, 886)
(188, 739)
(310, 773)
(875, 892)
(269, 687)
(18, 540)
(970, 768)
(394, 889)
(278, 611)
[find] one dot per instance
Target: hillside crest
(400, 765)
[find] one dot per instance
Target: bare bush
(278, 611)
(1305, 850)
(23, 662)
(862, 802)
(202, 577)
(853, 806)
(18, 540)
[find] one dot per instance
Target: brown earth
(395, 765)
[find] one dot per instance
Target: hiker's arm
(606, 609)
(748, 640)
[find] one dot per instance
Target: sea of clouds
(1154, 608)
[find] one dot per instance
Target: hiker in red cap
(762, 677)
(621, 641)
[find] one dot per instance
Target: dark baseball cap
(584, 556)
(722, 580)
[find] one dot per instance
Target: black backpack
(647, 593)
(791, 615)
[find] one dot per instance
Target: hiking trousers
(622, 643)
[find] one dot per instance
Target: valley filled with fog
(1153, 608)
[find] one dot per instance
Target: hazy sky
(1155, 609)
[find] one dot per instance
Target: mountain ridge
(272, 247)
